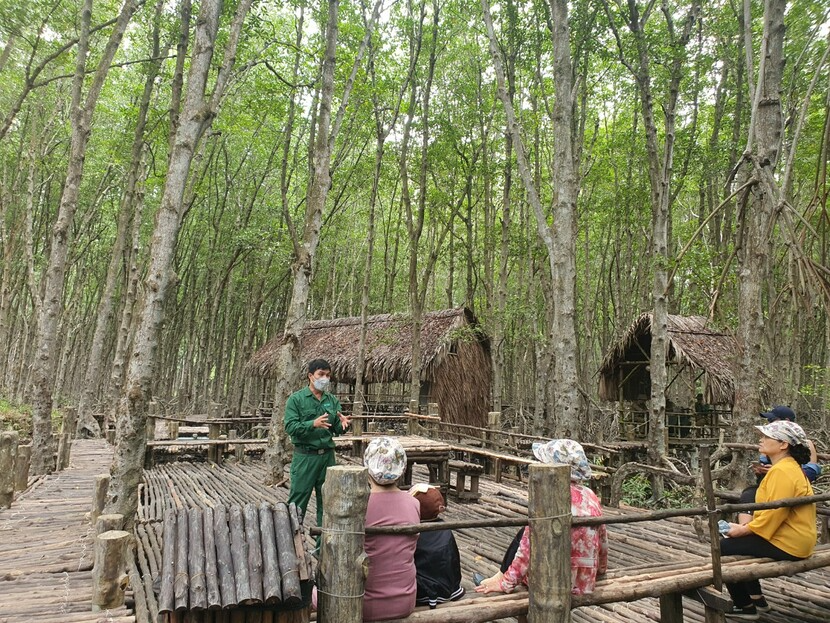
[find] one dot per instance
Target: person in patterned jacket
(589, 545)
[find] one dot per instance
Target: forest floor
(46, 552)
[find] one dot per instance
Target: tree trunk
(756, 226)
(197, 115)
(288, 363)
(50, 313)
(570, 405)
(87, 425)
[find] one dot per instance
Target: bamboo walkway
(46, 550)
(804, 598)
(46, 543)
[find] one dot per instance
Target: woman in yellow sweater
(780, 533)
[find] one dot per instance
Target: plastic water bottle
(723, 527)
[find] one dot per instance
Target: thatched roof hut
(456, 371)
(692, 345)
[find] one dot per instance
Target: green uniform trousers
(308, 473)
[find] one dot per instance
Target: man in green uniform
(312, 417)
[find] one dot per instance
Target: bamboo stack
(230, 558)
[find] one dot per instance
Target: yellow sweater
(790, 529)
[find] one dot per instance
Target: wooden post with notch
(343, 563)
(549, 515)
(109, 574)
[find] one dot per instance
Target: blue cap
(779, 412)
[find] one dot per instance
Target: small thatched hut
(456, 371)
(693, 347)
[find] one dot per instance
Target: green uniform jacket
(302, 409)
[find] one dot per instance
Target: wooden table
(421, 450)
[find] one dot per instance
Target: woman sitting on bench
(778, 533)
(589, 545)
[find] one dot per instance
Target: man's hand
(322, 421)
(344, 421)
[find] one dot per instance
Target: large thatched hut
(700, 376)
(456, 371)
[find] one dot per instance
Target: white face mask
(322, 384)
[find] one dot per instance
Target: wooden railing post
(493, 424)
(549, 512)
(432, 425)
(109, 575)
(214, 453)
(8, 455)
(21, 467)
(64, 451)
(343, 563)
(99, 499)
(105, 523)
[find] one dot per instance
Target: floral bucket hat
(784, 430)
(565, 451)
(385, 459)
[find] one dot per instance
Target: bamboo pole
(166, 601)
(549, 509)
(21, 467)
(342, 571)
(109, 575)
(9, 442)
(214, 595)
(99, 498)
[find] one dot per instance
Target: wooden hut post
(343, 563)
(8, 454)
(109, 575)
(549, 513)
(99, 498)
(21, 467)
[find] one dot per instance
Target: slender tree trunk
(87, 425)
(288, 358)
(42, 461)
(197, 115)
(570, 405)
(757, 218)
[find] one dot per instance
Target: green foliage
(17, 417)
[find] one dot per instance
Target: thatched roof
(388, 345)
(691, 343)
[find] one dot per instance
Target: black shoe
(761, 604)
(747, 613)
(478, 578)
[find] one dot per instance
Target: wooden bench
(464, 470)
(497, 459)
(216, 447)
(669, 582)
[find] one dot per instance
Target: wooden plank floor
(46, 553)
(801, 599)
